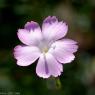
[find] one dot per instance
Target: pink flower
(47, 45)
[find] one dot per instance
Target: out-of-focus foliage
(78, 77)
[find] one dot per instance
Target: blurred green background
(78, 77)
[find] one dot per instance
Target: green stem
(53, 83)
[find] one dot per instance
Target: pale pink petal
(26, 55)
(62, 56)
(24, 36)
(66, 44)
(48, 66)
(42, 69)
(63, 50)
(54, 30)
(54, 67)
(31, 35)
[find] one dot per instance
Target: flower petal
(63, 50)
(42, 69)
(24, 36)
(31, 35)
(53, 30)
(50, 20)
(64, 57)
(48, 66)
(26, 55)
(54, 67)
(31, 25)
(66, 44)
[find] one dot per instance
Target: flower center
(45, 49)
(43, 46)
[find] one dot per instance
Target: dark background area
(78, 77)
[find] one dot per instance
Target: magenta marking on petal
(46, 66)
(50, 19)
(31, 25)
(54, 19)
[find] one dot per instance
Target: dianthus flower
(47, 45)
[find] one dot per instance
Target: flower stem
(53, 83)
